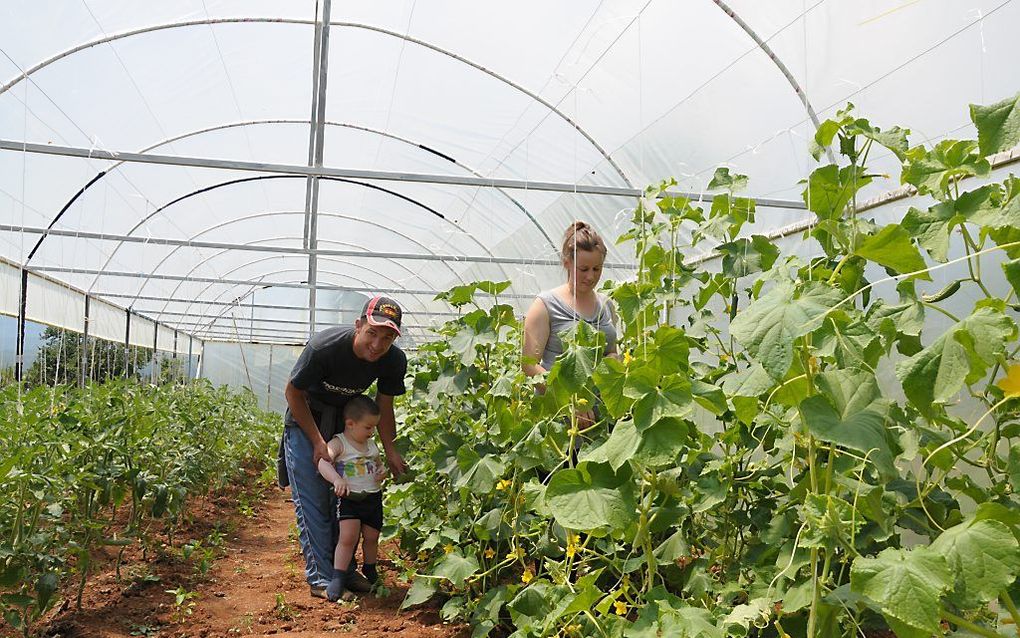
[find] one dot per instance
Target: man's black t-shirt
(330, 373)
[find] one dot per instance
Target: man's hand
(320, 451)
(396, 462)
(340, 487)
(585, 419)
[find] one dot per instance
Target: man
(337, 363)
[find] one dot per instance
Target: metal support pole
(85, 343)
(155, 344)
(269, 377)
(191, 343)
(317, 135)
(19, 353)
(127, 343)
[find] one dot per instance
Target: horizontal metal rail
(386, 176)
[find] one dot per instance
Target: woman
(557, 311)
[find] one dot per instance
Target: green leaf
(456, 568)
(656, 446)
(933, 227)
(891, 247)
(591, 496)
(769, 326)
(960, 355)
(830, 522)
(480, 475)
(823, 137)
(849, 391)
(45, 587)
(743, 257)
(933, 171)
(998, 125)
(611, 378)
(672, 548)
(1012, 270)
(658, 398)
(862, 431)
(723, 179)
(420, 591)
(752, 381)
(669, 350)
(906, 586)
(984, 556)
(830, 188)
(466, 342)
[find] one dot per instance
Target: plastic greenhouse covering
(204, 171)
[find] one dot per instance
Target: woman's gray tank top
(563, 318)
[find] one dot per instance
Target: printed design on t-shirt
(360, 466)
(338, 389)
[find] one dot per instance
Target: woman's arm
(536, 336)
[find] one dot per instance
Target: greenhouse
(769, 387)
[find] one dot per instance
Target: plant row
(788, 446)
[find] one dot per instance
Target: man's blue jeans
(315, 506)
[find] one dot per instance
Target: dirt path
(256, 588)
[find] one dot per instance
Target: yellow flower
(489, 552)
(573, 432)
(572, 630)
(527, 576)
(620, 608)
(571, 550)
(572, 544)
(1010, 384)
(504, 484)
(423, 555)
(520, 552)
(581, 401)
(627, 358)
(448, 548)
(511, 556)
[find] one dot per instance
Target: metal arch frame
(353, 25)
(267, 177)
(274, 213)
(263, 259)
(397, 263)
(763, 45)
(268, 214)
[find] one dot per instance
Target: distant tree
(59, 359)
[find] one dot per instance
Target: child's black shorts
(363, 506)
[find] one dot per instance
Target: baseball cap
(383, 311)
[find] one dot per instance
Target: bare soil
(255, 588)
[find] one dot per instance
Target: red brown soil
(256, 588)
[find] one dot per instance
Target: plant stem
(969, 626)
(1011, 607)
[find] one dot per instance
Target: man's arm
(388, 434)
(297, 401)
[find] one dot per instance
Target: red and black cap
(383, 311)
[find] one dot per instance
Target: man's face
(372, 342)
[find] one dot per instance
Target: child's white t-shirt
(359, 468)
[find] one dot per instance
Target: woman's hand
(381, 473)
(340, 487)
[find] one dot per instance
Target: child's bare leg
(370, 549)
(350, 531)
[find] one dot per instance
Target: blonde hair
(581, 236)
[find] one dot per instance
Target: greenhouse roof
(218, 167)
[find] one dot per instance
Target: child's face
(363, 428)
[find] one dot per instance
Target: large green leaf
(891, 247)
(830, 522)
(743, 257)
(984, 556)
(933, 171)
(933, 226)
(769, 326)
(611, 378)
(655, 446)
(456, 568)
(998, 125)
(906, 585)
(752, 381)
(960, 355)
(420, 591)
(658, 398)
(849, 391)
(479, 473)
(591, 496)
(863, 431)
(466, 342)
(830, 188)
